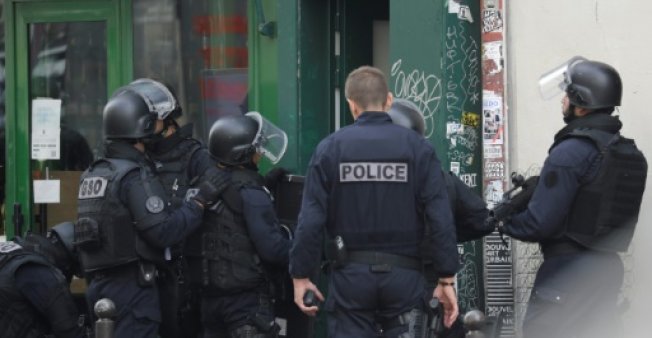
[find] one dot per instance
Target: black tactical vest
(18, 318)
(230, 261)
(172, 169)
(605, 211)
(105, 233)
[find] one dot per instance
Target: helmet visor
(555, 81)
(270, 141)
(159, 99)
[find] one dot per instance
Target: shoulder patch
(92, 187)
(154, 204)
(6, 247)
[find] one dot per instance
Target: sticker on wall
(453, 6)
(455, 168)
(465, 14)
(493, 192)
(492, 110)
(492, 57)
(492, 151)
(492, 20)
(471, 119)
(494, 169)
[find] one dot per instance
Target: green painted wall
(435, 63)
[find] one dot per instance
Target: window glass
(199, 47)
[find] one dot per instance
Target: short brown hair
(366, 86)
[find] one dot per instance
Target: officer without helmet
(373, 187)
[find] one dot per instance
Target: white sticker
(492, 151)
(47, 191)
(92, 187)
(283, 325)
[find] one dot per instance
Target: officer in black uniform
(374, 187)
(125, 223)
(180, 159)
(35, 274)
(583, 210)
(242, 241)
(469, 210)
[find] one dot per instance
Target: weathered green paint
(263, 73)
(435, 62)
(19, 14)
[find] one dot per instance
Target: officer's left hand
(214, 183)
(301, 286)
(274, 176)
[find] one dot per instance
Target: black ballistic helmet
(62, 236)
(56, 247)
(407, 114)
(231, 138)
(127, 116)
(594, 85)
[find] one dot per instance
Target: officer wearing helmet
(35, 273)
(179, 159)
(373, 188)
(584, 208)
(469, 210)
(125, 221)
(241, 239)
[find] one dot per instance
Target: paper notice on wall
(492, 110)
(47, 191)
(46, 120)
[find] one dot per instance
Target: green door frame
(19, 14)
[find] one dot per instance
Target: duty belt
(381, 261)
(561, 248)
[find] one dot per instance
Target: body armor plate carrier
(105, 232)
(230, 262)
(605, 211)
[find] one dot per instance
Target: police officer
(241, 237)
(583, 209)
(125, 223)
(469, 210)
(179, 159)
(374, 187)
(35, 273)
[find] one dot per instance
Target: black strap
(382, 258)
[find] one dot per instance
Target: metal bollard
(104, 310)
(474, 322)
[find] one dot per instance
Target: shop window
(199, 47)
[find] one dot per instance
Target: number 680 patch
(92, 187)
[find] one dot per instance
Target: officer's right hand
(301, 286)
(214, 183)
(447, 297)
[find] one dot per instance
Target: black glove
(214, 183)
(274, 176)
